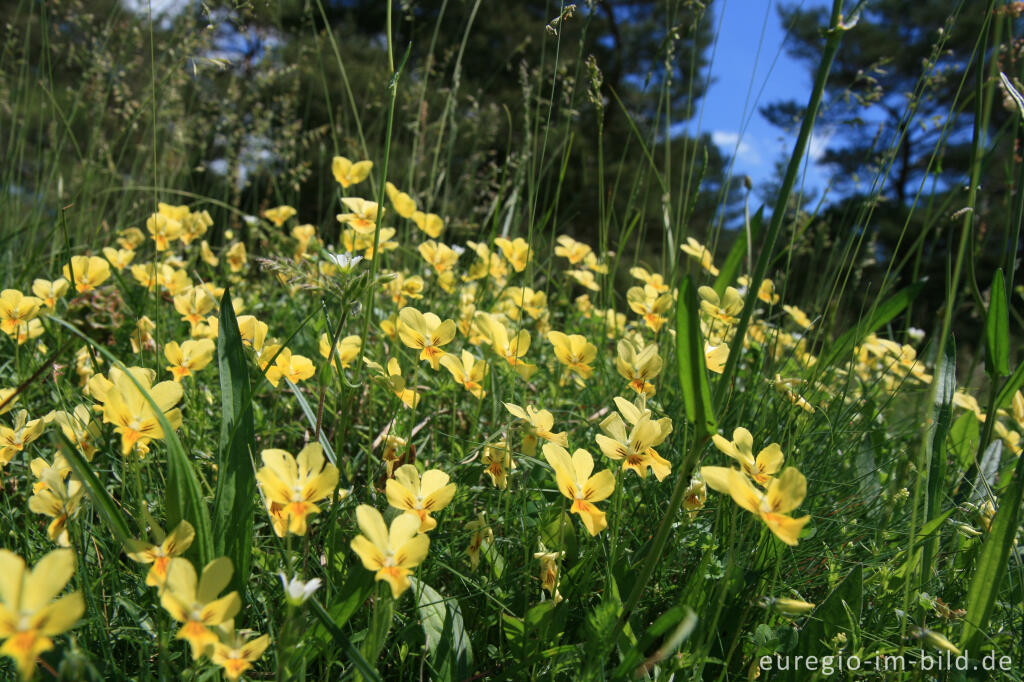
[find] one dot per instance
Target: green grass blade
(693, 376)
(235, 496)
(997, 330)
(101, 499)
(361, 664)
(942, 420)
(307, 410)
(992, 563)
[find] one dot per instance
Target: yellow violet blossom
(348, 173)
(354, 241)
(194, 225)
(163, 229)
(17, 309)
(194, 603)
(741, 448)
(395, 381)
(651, 279)
(539, 425)
(194, 304)
(14, 439)
(426, 333)
(637, 368)
(512, 351)
(498, 462)
(635, 449)
(130, 238)
(346, 351)
(649, 304)
(172, 545)
(362, 216)
(575, 352)
(430, 223)
(441, 257)
(59, 501)
(723, 309)
(798, 316)
(419, 497)
(783, 495)
(715, 357)
(573, 475)
(391, 554)
(585, 278)
(701, 254)
(88, 272)
(468, 371)
(518, 299)
(119, 259)
(517, 252)
(294, 368)
(48, 292)
(125, 406)
(236, 257)
(292, 485)
(403, 204)
(29, 616)
(191, 356)
(481, 533)
(279, 214)
(571, 249)
(234, 653)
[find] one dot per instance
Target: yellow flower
(119, 259)
(16, 309)
(58, 501)
(172, 545)
(698, 251)
(14, 440)
(575, 482)
(173, 212)
(481, 533)
(127, 408)
(637, 368)
(28, 615)
(402, 288)
(395, 381)
(346, 351)
(279, 214)
(741, 448)
(497, 461)
(430, 223)
(79, 428)
(194, 304)
(363, 216)
(131, 238)
(354, 241)
(715, 357)
(575, 352)
(194, 226)
(236, 257)
(174, 280)
(571, 249)
(441, 257)
(765, 292)
(49, 291)
(191, 356)
(234, 653)
(6, 399)
(635, 449)
(651, 279)
(163, 229)
(468, 371)
(549, 572)
(391, 554)
(539, 425)
(253, 332)
(798, 316)
(293, 484)
(295, 368)
(518, 299)
(348, 173)
(512, 351)
(425, 332)
(390, 453)
(724, 309)
(207, 254)
(651, 305)
(585, 278)
(783, 495)
(195, 604)
(420, 497)
(517, 252)
(404, 204)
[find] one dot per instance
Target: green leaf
(942, 417)
(444, 631)
(963, 440)
(992, 562)
(361, 664)
(734, 261)
(882, 314)
(997, 330)
(235, 496)
(356, 591)
(1010, 387)
(182, 496)
(101, 499)
(693, 376)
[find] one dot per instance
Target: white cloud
(818, 143)
(730, 143)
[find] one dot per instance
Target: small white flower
(250, 220)
(346, 261)
(296, 591)
(915, 333)
(459, 250)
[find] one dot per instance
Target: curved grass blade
(307, 410)
(235, 495)
(693, 376)
(361, 664)
(183, 497)
(101, 499)
(997, 330)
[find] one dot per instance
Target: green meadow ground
(386, 411)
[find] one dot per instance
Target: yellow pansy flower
(585, 278)
(441, 257)
(420, 497)
(191, 356)
(119, 259)
(236, 257)
(16, 309)
(741, 448)
(469, 371)
(698, 251)
(234, 654)
(348, 173)
(512, 351)
(292, 486)
(783, 495)
(517, 252)
(404, 204)
(575, 352)
(295, 368)
(395, 381)
(194, 603)
(78, 427)
(29, 616)
(194, 225)
(163, 230)
(651, 279)
(346, 351)
(48, 292)
(425, 332)
(125, 406)
(59, 501)
(481, 533)
(571, 249)
(391, 554)
(279, 214)
(207, 254)
(430, 223)
(194, 304)
(637, 368)
(131, 238)
(539, 425)
(724, 309)
(635, 449)
(13, 440)
(549, 572)
(498, 462)
(573, 475)
(362, 216)
(715, 357)
(172, 545)
(798, 316)
(649, 304)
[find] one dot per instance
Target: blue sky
(749, 69)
